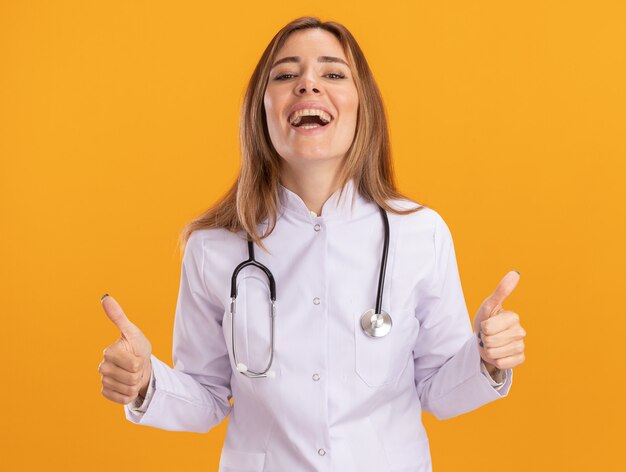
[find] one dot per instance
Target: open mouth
(309, 118)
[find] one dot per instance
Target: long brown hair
(253, 197)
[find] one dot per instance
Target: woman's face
(310, 83)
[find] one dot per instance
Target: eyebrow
(319, 59)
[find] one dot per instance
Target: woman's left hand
(499, 331)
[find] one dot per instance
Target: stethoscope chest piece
(376, 325)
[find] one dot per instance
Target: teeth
(296, 116)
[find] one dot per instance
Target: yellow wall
(118, 124)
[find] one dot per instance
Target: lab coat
(340, 401)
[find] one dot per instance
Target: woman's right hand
(126, 366)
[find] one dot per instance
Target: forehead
(313, 42)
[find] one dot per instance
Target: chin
(310, 157)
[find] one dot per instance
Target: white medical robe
(341, 401)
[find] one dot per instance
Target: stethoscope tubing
(383, 262)
(251, 261)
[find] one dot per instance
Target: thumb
(493, 303)
(115, 313)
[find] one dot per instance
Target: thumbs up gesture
(500, 333)
(126, 366)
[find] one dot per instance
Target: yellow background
(118, 124)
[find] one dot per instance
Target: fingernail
(103, 297)
(481, 344)
(517, 272)
(479, 335)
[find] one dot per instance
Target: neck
(313, 184)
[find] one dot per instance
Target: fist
(126, 367)
(500, 334)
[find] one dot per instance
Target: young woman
(349, 320)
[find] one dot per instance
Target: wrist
(147, 373)
(492, 369)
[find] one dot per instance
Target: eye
(284, 76)
(336, 75)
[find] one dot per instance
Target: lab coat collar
(350, 204)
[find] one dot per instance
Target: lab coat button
(316, 377)
(316, 301)
(317, 227)
(321, 452)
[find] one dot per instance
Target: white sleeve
(498, 379)
(195, 394)
(447, 361)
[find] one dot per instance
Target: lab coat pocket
(240, 461)
(381, 361)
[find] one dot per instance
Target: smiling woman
(308, 66)
(320, 379)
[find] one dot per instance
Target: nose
(307, 84)
(303, 89)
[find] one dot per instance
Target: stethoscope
(375, 323)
